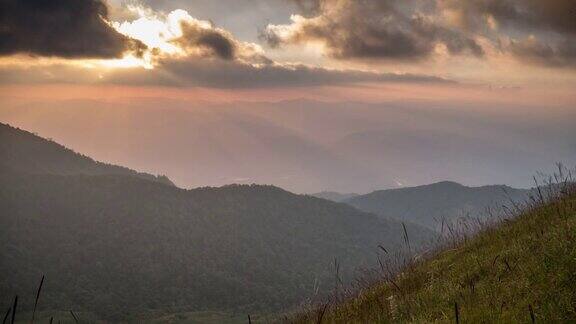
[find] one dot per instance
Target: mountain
(23, 151)
(518, 271)
(118, 245)
(334, 196)
(429, 205)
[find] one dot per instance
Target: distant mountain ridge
(429, 205)
(23, 151)
(115, 243)
(334, 196)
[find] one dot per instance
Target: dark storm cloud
(547, 28)
(209, 57)
(230, 74)
(216, 42)
(532, 15)
(216, 73)
(386, 29)
(63, 28)
(220, 45)
(561, 54)
(412, 29)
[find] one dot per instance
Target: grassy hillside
(434, 204)
(522, 270)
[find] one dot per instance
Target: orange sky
(558, 96)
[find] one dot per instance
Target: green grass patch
(523, 270)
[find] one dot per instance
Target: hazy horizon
(308, 95)
(306, 145)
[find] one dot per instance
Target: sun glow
(129, 61)
(158, 32)
(155, 32)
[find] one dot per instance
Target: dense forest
(118, 244)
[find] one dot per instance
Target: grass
(519, 270)
(204, 317)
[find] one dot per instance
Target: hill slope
(428, 205)
(119, 245)
(521, 271)
(25, 152)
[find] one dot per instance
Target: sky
(413, 91)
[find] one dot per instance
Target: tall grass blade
(457, 313)
(37, 297)
(7, 314)
(406, 238)
(74, 316)
(14, 306)
(321, 315)
(532, 316)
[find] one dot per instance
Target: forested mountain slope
(121, 246)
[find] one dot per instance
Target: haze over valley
(309, 146)
(287, 161)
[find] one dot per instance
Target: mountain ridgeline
(440, 203)
(334, 196)
(25, 152)
(121, 244)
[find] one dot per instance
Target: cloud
(205, 72)
(528, 15)
(61, 28)
(221, 46)
(540, 32)
(198, 36)
(387, 29)
(182, 51)
(230, 74)
(178, 35)
(532, 50)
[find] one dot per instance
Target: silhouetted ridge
(437, 203)
(25, 152)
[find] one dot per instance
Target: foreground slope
(120, 245)
(523, 270)
(430, 205)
